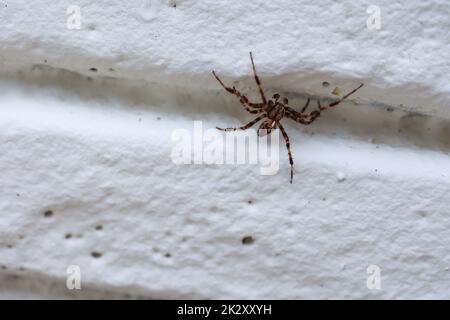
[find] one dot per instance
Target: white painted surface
(371, 186)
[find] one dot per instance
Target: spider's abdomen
(276, 113)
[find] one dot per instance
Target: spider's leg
(248, 125)
(310, 117)
(242, 98)
(313, 115)
(298, 117)
(295, 115)
(288, 146)
(306, 106)
(258, 82)
(343, 98)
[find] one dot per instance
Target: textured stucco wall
(87, 178)
(298, 45)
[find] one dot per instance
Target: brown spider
(274, 111)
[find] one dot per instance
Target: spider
(276, 109)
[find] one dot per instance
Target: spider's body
(274, 110)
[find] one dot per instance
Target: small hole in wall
(68, 236)
(93, 69)
(48, 213)
(214, 209)
(99, 227)
(325, 84)
(249, 201)
(96, 254)
(9, 246)
(248, 240)
(167, 255)
(422, 213)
